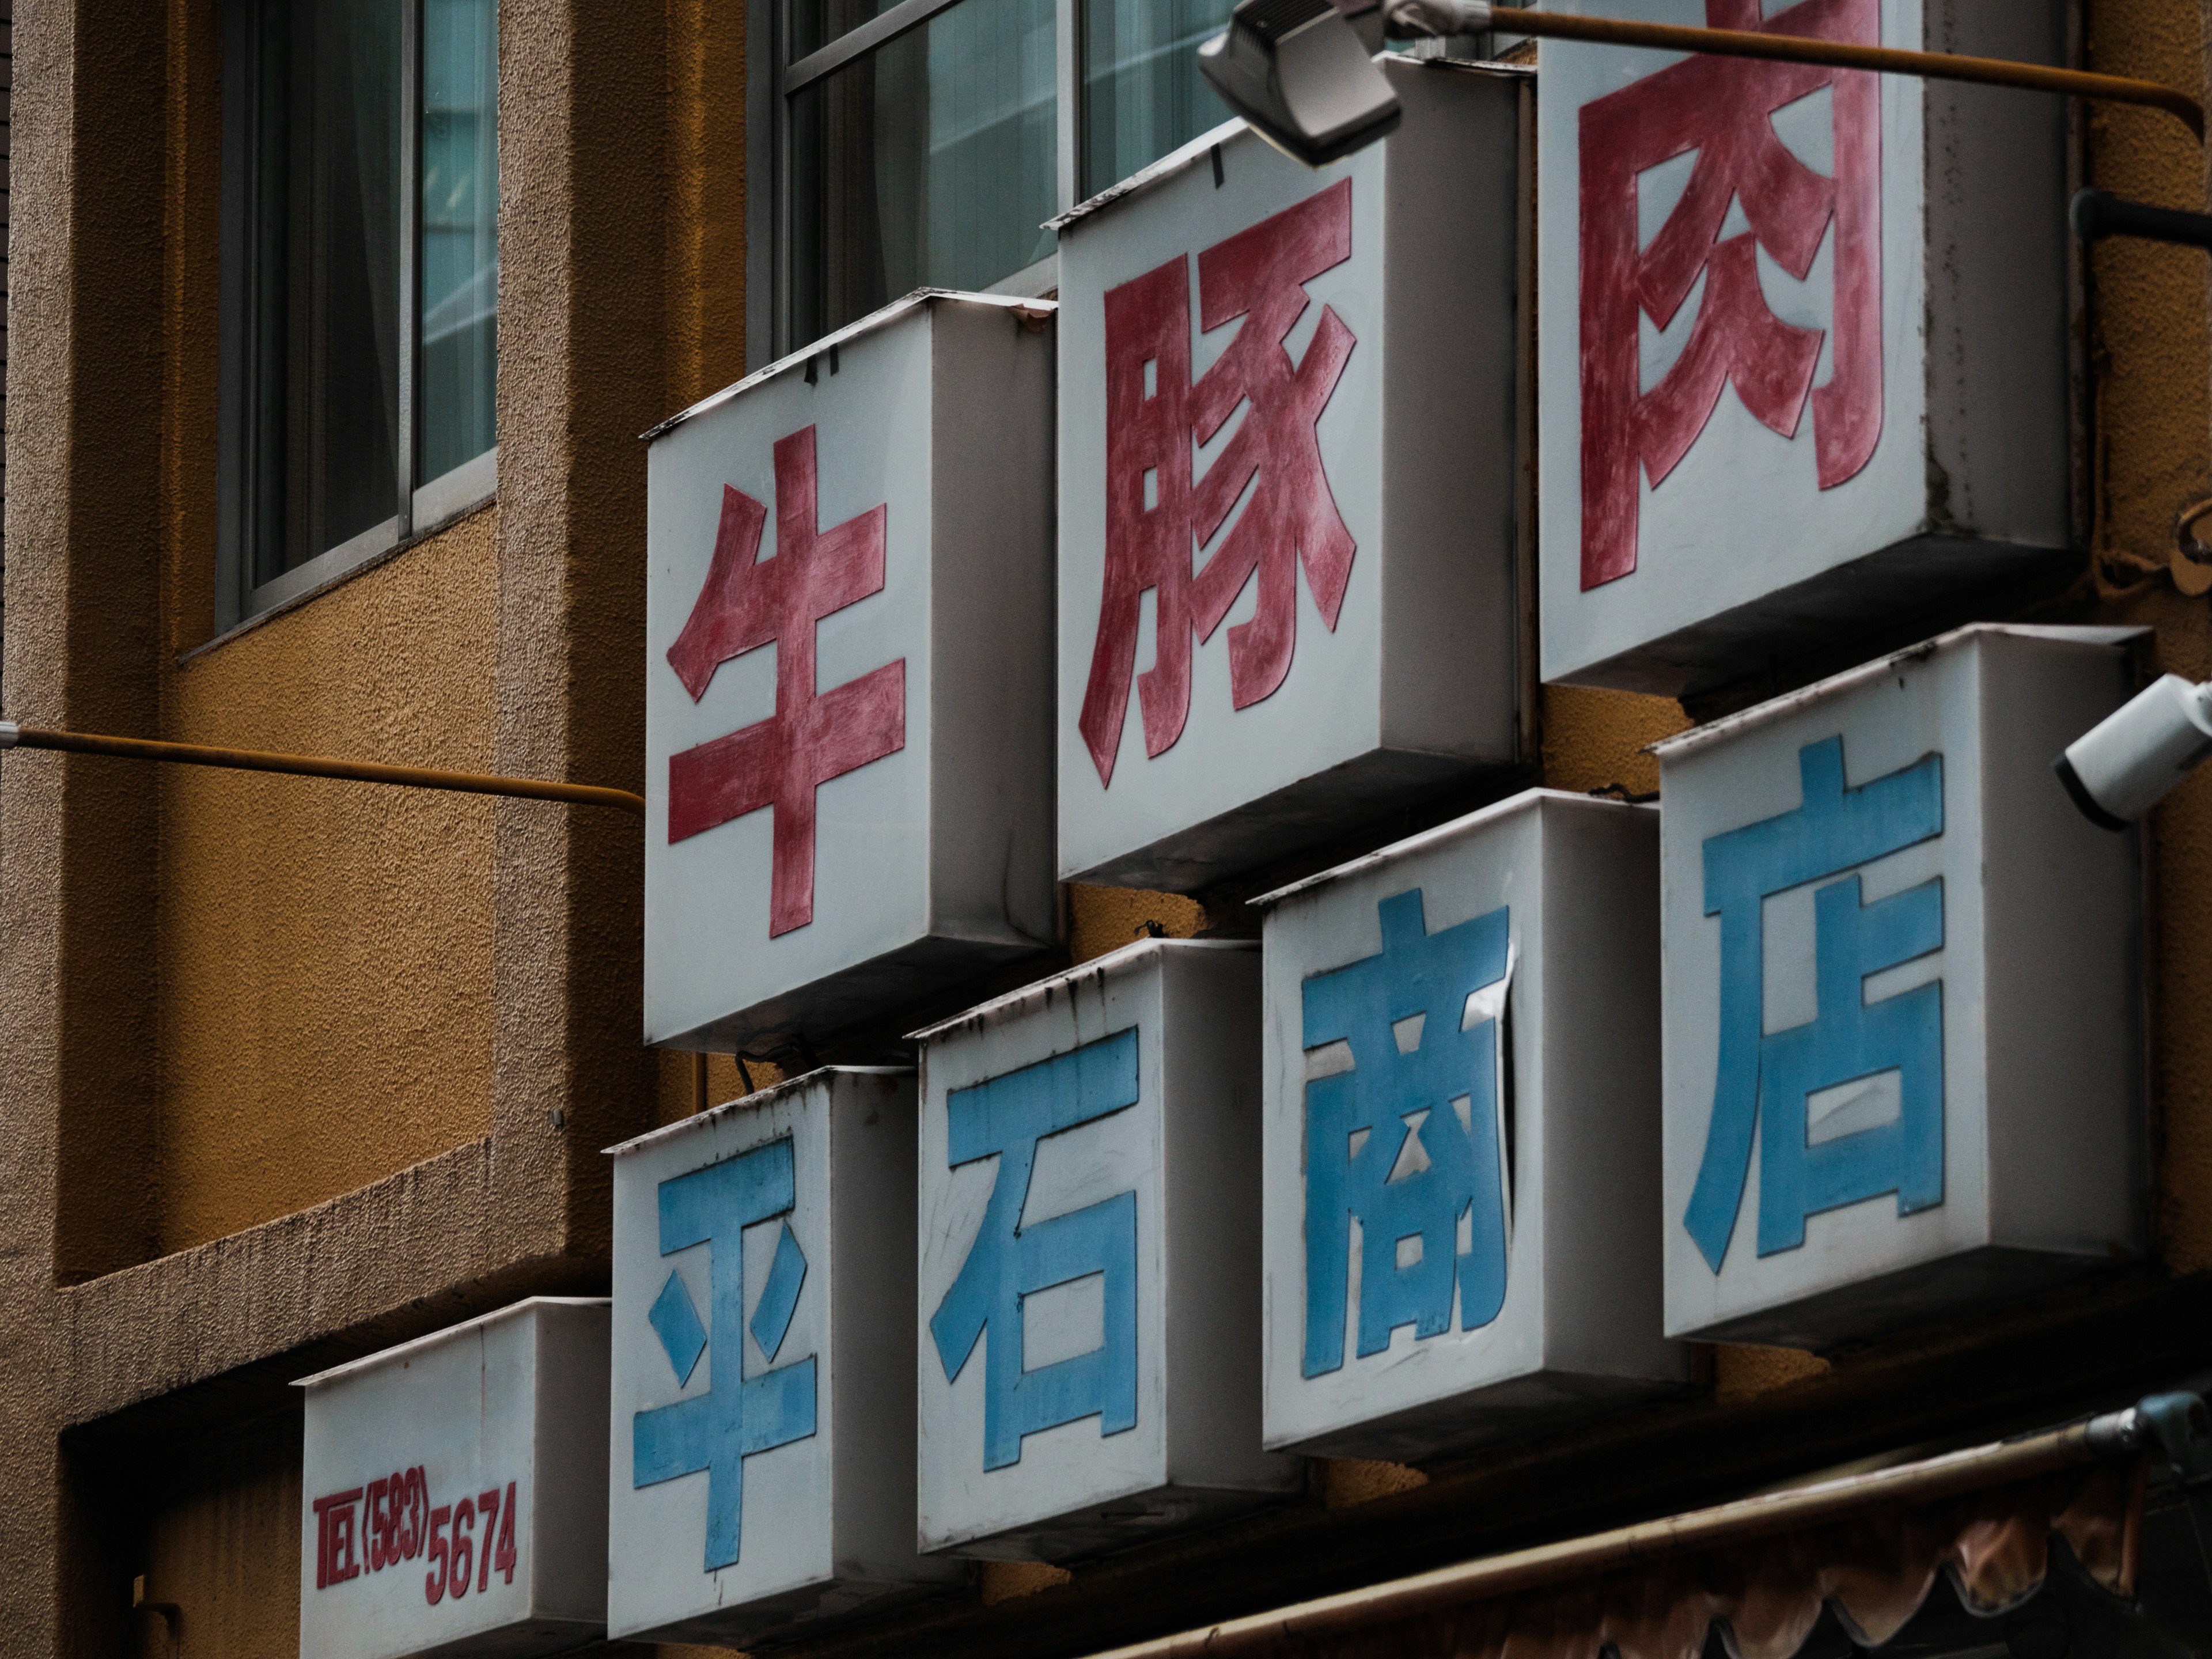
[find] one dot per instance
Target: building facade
(335, 326)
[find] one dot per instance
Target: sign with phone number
(392, 1520)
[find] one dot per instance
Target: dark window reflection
(931, 162)
(316, 389)
(459, 231)
(1142, 93)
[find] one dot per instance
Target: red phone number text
(391, 1520)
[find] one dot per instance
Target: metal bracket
(2178, 1428)
(2097, 214)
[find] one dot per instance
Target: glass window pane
(459, 231)
(1142, 93)
(339, 299)
(932, 162)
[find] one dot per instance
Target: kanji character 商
(1766, 1080)
(1406, 1142)
(1721, 108)
(812, 737)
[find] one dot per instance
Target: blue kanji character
(717, 1430)
(1363, 1127)
(1006, 1118)
(1765, 1080)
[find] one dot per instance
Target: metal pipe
(12, 736)
(2118, 1434)
(1423, 16)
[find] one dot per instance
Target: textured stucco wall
(325, 947)
(706, 214)
(229, 998)
(2150, 457)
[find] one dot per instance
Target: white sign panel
(1089, 1272)
(848, 682)
(1462, 1132)
(1286, 488)
(1804, 358)
(762, 1456)
(1902, 1032)
(454, 1492)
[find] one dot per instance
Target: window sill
(439, 506)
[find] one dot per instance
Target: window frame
(423, 505)
(772, 82)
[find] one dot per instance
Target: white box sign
(1803, 352)
(1090, 1265)
(1271, 619)
(762, 1472)
(1902, 1030)
(454, 1492)
(1462, 1132)
(848, 681)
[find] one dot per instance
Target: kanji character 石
(1011, 1258)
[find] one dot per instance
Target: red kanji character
(1148, 435)
(1721, 107)
(1260, 275)
(811, 738)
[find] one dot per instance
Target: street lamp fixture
(1297, 72)
(1301, 77)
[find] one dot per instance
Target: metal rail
(12, 736)
(1801, 49)
(2116, 1434)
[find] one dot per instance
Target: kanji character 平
(1722, 108)
(713, 1433)
(1152, 414)
(811, 738)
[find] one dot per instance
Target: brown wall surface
(298, 1069)
(221, 1577)
(325, 947)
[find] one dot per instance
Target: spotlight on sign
(1297, 72)
(2125, 764)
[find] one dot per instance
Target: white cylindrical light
(2125, 765)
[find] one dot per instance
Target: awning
(1758, 1573)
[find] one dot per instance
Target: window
(925, 143)
(360, 283)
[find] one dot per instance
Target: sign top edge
(1495, 812)
(753, 1102)
(384, 1356)
(999, 1006)
(919, 299)
(1775, 709)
